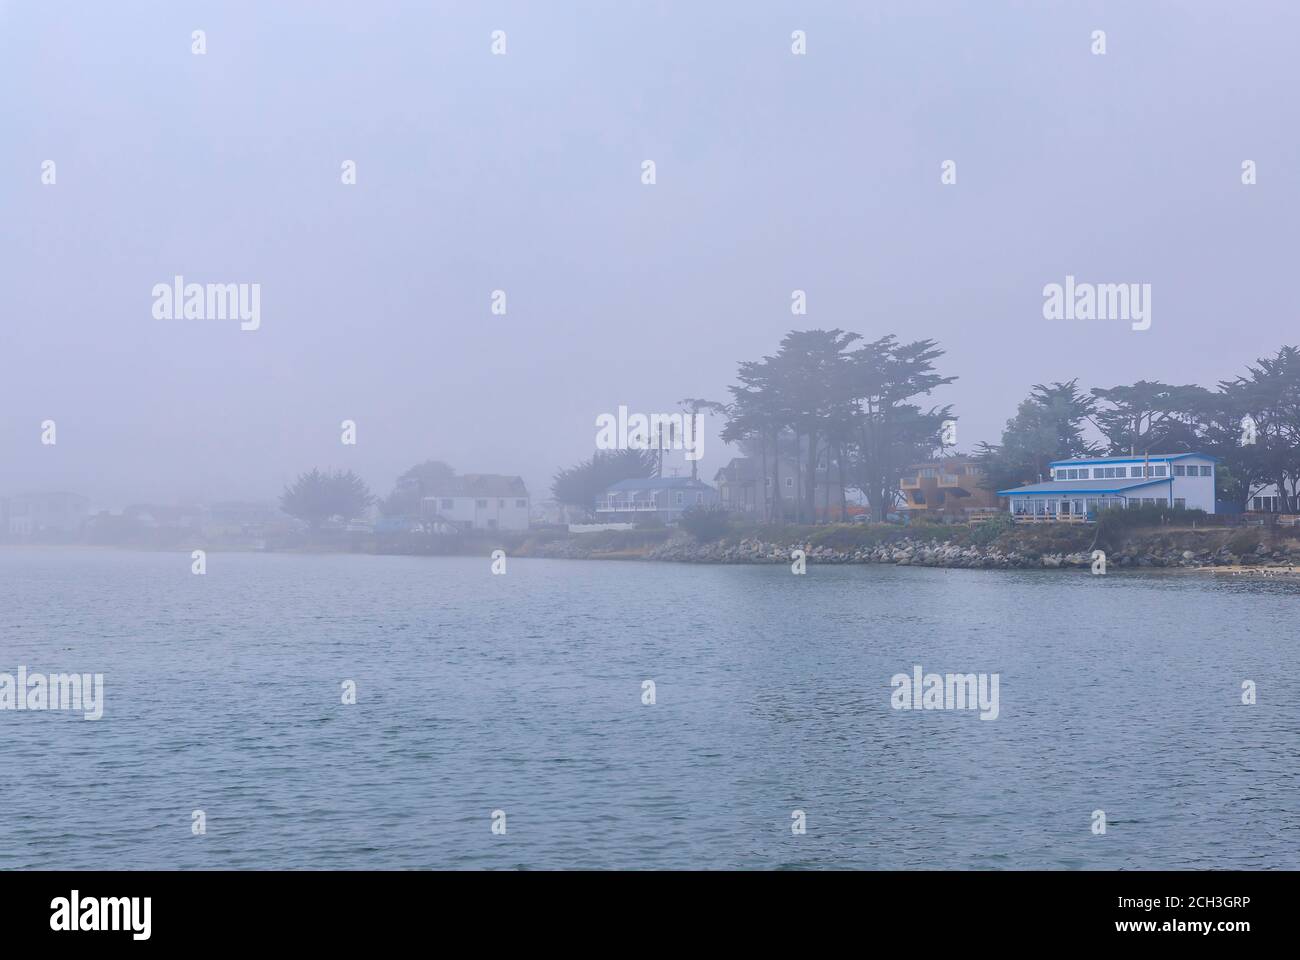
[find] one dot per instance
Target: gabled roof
(61, 496)
(481, 485)
(660, 483)
(1160, 457)
(958, 460)
(740, 468)
(1084, 486)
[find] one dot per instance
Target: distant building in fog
(479, 501)
(661, 498)
(44, 515)
(241, 519)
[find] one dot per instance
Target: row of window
(448, 504)
(1118, 473)
(1040, 507)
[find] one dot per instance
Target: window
(1149, 501)
(1098, 472)
(481, 504)
(677, 498)
(1160, 471)
(789, 482)
(699, 498)
(1180, 471)
(500, 504)
(1180, 503)
(1258, 503)
(1073, 474)
(445, 504)
(1135, 472)
(1207, 471)
(521, 503)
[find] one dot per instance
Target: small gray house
(664, 498)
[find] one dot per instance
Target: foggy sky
(477, 172)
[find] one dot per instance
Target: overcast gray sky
(523, 172)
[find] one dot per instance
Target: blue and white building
(1081, 488)
(665, 498)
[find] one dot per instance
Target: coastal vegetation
(857, 411)
(318, 495)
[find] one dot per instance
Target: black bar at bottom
(214, 909)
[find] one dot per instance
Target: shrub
(985, 533)
(1244, 541)
(1147, 515)
(706, 523)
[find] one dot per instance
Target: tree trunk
(778, 514)
(839, 472)
(811, 493)
(826, 493)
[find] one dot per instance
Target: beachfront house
(1266, 498)
(742, 490)
(662, 498)
(949, 487)
(479, 501)
(1080, 488)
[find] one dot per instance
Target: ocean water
(522, 693)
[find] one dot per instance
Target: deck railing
(1052, 518)
(626, 506)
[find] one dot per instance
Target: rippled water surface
(522, 693)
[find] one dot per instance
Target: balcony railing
(1052, 518)
(610, 505)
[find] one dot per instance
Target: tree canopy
(318, 496)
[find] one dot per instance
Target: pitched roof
(659, 483)
(1131, 458)
(740, 468)
(1084, 486)
(481, 485)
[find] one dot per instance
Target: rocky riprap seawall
(935, 553)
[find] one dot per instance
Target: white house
(44, 514)
(1266, 499)
(480, 501)
(1080, 488)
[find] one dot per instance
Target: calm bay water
(523, 693)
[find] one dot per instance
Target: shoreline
(1224, 551)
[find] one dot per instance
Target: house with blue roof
(663, 498)
(1079, 489)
